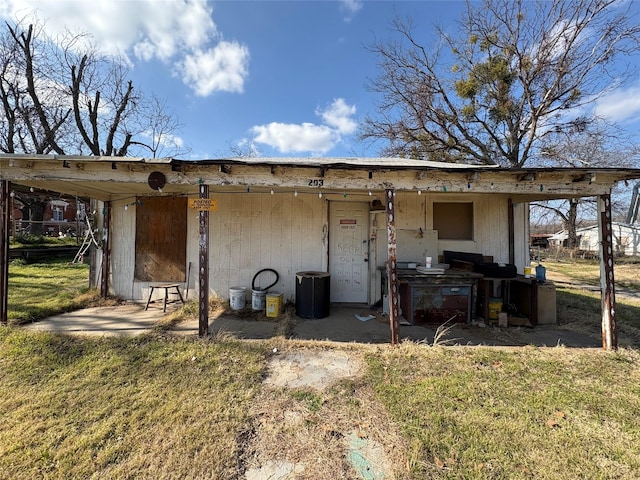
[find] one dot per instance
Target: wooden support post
(4, 250)
(203, 267)
(512, 234)
(106, 247)
(607, 284)
(392, 269)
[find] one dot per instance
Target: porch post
(106, 247)
(203, 266)
(4, 250)
(607, 284)
(392, 273)
(512, 234)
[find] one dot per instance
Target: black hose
(253, 282)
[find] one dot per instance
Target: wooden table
(166, 288)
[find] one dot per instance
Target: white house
(212, 224)
(625, 237)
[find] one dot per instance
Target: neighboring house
(61, 216)
(212, 224)
(625, 239)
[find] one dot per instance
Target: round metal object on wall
(156, 180)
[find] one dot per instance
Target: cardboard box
(547, 304)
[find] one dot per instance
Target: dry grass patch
(588, 271)
(189, 311)
(579, 310)
(310, 429)
(147, 407)
(526, 413)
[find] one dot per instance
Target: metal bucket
(274, 304)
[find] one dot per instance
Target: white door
(349, 252)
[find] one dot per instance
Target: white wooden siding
(252, 231)
(249, 232)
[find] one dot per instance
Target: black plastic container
(313, 294)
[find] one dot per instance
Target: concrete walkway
(344, 324)
(129, 320)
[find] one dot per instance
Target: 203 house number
(316, 182)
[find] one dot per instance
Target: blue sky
(282, 78)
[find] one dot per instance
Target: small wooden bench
(167, 289)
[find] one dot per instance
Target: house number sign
(316, 182)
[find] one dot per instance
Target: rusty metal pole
(4, 251)
(203, 267)
(392, 268)
(106, 247)
(607, 284)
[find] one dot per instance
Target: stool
(166, 294)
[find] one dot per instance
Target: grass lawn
(588, 271)
(88, 407)
(162, 407)
(581, 308)
(528, 413)
(38, 290)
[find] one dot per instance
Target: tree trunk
(36, 216)
(570, 223)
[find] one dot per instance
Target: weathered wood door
(349, 251)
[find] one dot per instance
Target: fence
(50, 228)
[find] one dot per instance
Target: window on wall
(81, 211)
(161, 239)
(58, 214)
(453, 220)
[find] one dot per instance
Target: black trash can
(313, 294)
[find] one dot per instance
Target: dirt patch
(317, 419)
(312, 369)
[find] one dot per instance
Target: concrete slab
(344, 324)
(244, 328)
(128, 319)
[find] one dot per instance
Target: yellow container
(274, 304)
(495, 307)
(527, 272)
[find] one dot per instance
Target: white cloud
(222, 68)
(351, 7)
(292, 138)
(620, 105)
(309, 137)
(172, 31)
(338, 116)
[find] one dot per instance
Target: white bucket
(237, 297)
(258, 299)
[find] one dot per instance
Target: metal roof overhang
(105, 178)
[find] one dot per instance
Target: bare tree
(516, 71)
(595, 147)
(63, 96)
(34, 116)
(158, 125)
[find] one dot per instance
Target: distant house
(625, 241)
(539, 240)
(61, 216)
